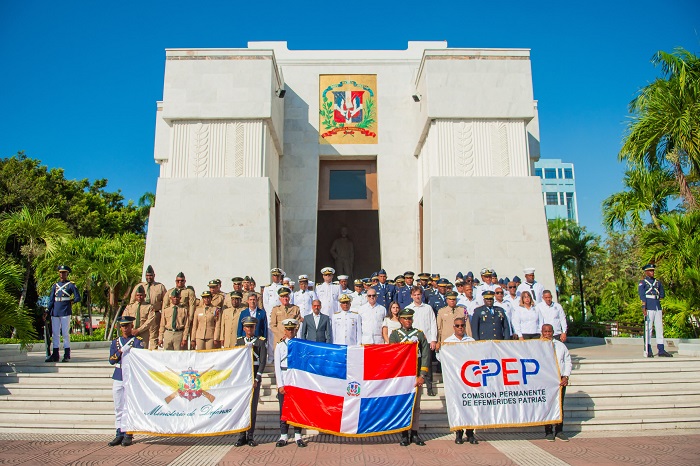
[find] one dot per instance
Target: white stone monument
(425, 155)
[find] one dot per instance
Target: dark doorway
(363, 231)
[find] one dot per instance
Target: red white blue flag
(353, 391)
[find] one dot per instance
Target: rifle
(644, 337)
(47, 333)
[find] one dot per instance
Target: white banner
(188, 392)
(501, 383)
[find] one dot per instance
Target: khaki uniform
(173, 336)
(187, 299)
(206, 326)
(218, 300)
(155, 296)
(279, 314)
(229, 326)
(144, 325)
(446, 319)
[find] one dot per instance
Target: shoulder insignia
(139, 338)
(261, 338)
(336, 312)
(353, 312)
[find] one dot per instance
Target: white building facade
(423, 156)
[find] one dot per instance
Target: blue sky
(80, 79)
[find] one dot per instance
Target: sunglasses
(512, 287)
(499, 292)
(459, 326)
(371, 295)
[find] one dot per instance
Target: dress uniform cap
(517, 279)
(180, 275)
(149, 269)
(358, 282)
(649, 267)
(408, 274)
(218, 282)
(485, 272)
(470, 274)
(424, 276)
(400, 279)
(443, 282)
(290, 323)
(374, 275)
(528, 270)
(407, 312)
(140, 290)
(206, 294)
(345, 298)
(125, 320)
(390, 282)
(175, 293)
(303, 278)
(451, 295)
(284, 291)
(488, 294)
(64, 268)
(213, 283)
(328, 271)
(236, 294)
(366, 280)
(237, 280)
(381, 272)
(435, 276)
(343, 277)
(459, 275)
(493, 273)
(250, 320)
(246, 278)
(276, 271)
(459, 282)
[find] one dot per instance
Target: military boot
(117, 440)
(66, 355)
(431, 391)
(459, 437)
(650, 354)
(128, 440)
(54, 355)
(405, 440)
(416, 439)
(663, 353)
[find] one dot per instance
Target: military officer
(270, 296)
(259, 360)
(408, 334)
(385, 291)
(651, 292)
(530, 284)
(437, 299)
(343, 283)
(62, 296)
(346, 324)
(261, 329)
(174, 324)
(327, 292)
(206, 324)
(230, 316)
(303, 297)
(218, 297)
(282, 312)
(359, 296)
(403, 293)
(144, 316)
(118, 350)
(156, 293)
(291, 326)
(490, 322)
(446, 318)
(237, 283)
(188, 298)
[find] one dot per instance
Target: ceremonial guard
(408, 334)
(359, 296)
(260, 315)
(282, 312)
(118, 350)
(347, 326)
(144, 315)
(303, 297)
(206, 324)
(651, 292)
(534, 287)
(174, 324)
(62, 296)
(290, 331)
(489, 322)
(270, 296)
(156, 293)
(259, 359)
(564, 359)
(372, 317)
(327, 292)
(230, 316)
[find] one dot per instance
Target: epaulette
(337, 312)
(261, 338)
(139, 338)
(353, 312)
(281, 340)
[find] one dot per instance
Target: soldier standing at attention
(408, 334)
(303, 297)
(651, 292)
(174, 324)
(230, 316)
(489, 322)
(118, 350)
(218, 297)
(446, 318)
(206, 324)
(155, 294)
(282, 312)
(144, 316)
(291, 327)
(259, 359)
(270, 296)
(188, 298)
(346, 324)
(61, 298)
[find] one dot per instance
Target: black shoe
(54, 356)
(562, 436)
(472, 440)
(664, 354)
(416, 439)
(116, 441)
(128, 440)
(252, 443)
(431, 391)
(240, 442)
(281, 443)
(459, 439)
(549, 437)
(405, 440)
(301, 443)
(66, 355)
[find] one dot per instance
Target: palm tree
(647, 193)
(10, 315)
(665, 126)
(37, 233)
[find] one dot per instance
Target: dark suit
(490, 324)
(259, 359)
(322, 333)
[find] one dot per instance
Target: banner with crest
(348, 109)
(194, 393)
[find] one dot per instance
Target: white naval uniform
(347, 328)
(271, 298)
(303, 299)
(535, 287)
(424, 320)
(527, 321)
(328, 294)
(281, 362)
(372, 320)
(553, 315)
(358, 300)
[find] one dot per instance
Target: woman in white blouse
(527, 321)
(391, 321)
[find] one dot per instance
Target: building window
(538, 172)
(569, 173)
(561, 174)
(347, 184)
(570, 206)
(552, 199)
(550, 173)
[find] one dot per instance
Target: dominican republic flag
(348, 106)
(354, 391)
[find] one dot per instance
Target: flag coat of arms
(353, 391)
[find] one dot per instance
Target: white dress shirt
(328, 294)
(372, 319)
(535, 287)
(526, 320)
(281, 362)
(424, 320)
(303, 299)
(553, 315)
(563, 357)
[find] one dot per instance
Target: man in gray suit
(316, 326)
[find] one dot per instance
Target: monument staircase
(605, 394)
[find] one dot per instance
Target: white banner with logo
(501, 383)
(188, 392)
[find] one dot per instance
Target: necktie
(491, 310)
(148, 294)
(174, 317)
(138, 316)
(532, 288)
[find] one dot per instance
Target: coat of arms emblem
(348, 109)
